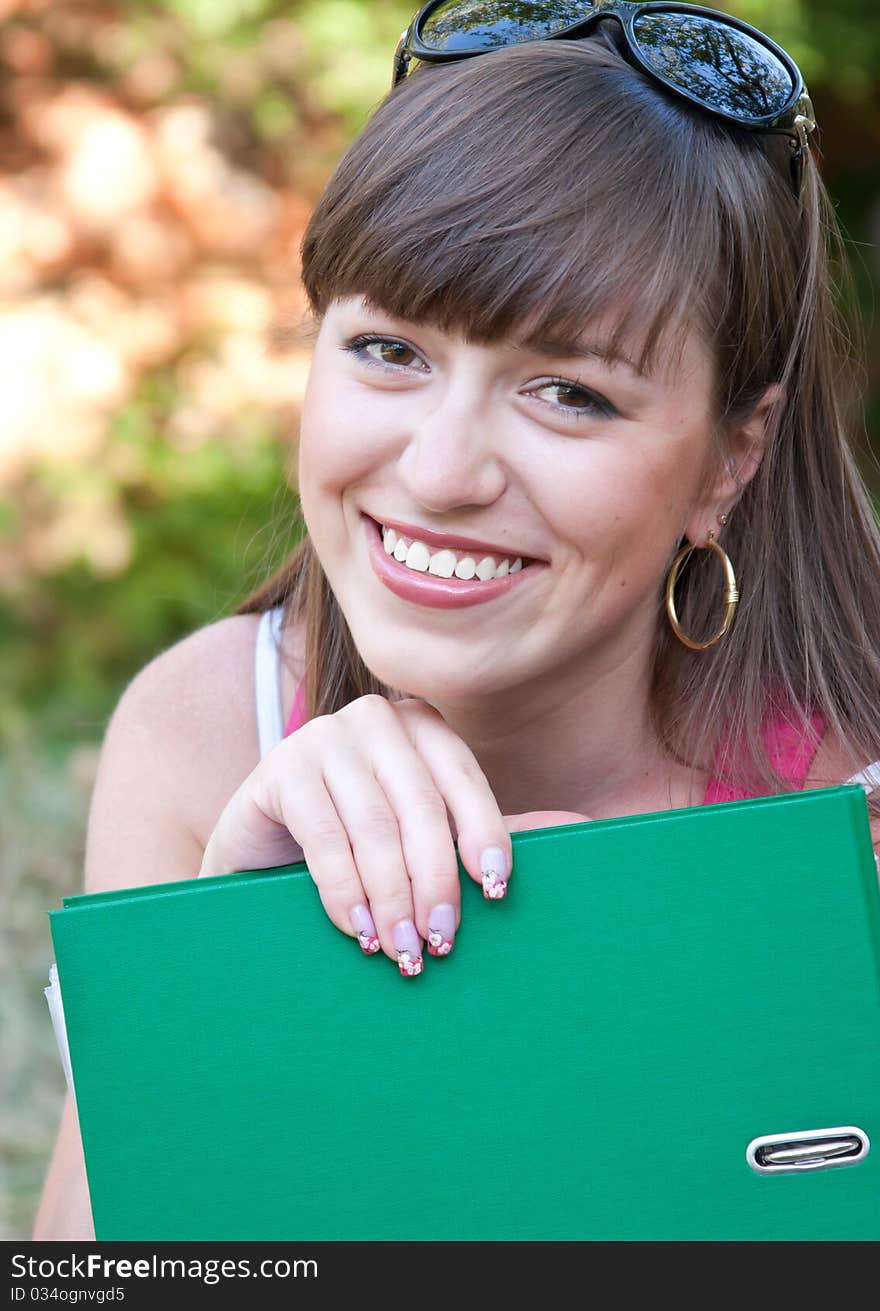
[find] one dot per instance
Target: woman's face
(564, 456)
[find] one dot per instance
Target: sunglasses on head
(726, 67)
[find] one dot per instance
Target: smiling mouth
(439, 587)
(452, 563)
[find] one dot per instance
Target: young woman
(585, 535)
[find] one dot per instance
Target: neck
(580, 739)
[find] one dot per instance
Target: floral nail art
(409, 964)
(437, 944)
(494, 887)
(494, 867)
(365, 928)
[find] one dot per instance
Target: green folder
(594, 1060)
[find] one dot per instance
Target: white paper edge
(868, 778)
(56, 1010)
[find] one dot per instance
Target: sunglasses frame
(795, 120)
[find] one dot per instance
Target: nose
(453, 457)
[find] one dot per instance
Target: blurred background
(158, 163)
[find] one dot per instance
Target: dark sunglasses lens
(488, 24)
(724, 68)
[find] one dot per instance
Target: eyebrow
(557, 349)
(552, 347)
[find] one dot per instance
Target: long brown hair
(545, 184)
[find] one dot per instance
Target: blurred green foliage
(834, 45)
(340, 69)
(205, 527)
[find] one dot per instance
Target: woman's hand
(373, 798)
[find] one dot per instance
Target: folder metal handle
(810, 1149)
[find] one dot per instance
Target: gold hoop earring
(731, 595)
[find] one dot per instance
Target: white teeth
(418, 557)
(445, 563)
(442, 564)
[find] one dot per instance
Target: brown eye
(572, 397)
(381, 351)
(578, 401)
(391, 352)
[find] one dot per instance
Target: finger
(371, 824)
(530, 819)
(246, 837)
(536, 819)
(425, 836)
(296, 798)
(484, 844)
(295, 794)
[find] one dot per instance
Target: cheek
(337, 445)
(622, 507)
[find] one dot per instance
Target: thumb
(530, 819)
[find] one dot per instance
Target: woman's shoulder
(835, 762)
(198, 686)
(202, 686)
(182, 739)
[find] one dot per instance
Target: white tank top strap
(869, 777)
(267, 678)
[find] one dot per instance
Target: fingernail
(362, 923)
(493, 867)
(441, 930)
(405, 937)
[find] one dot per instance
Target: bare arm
(65, 1211)
(158, 784)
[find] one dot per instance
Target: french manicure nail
(441, 930)
(493, 868)
(405, 937)
(362, 923)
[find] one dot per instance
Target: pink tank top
(297, 711)
(791, 754)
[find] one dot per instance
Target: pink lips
(470, 544)
(427, 589)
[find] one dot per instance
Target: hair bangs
(542, 217)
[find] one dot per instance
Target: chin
(414, 678)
